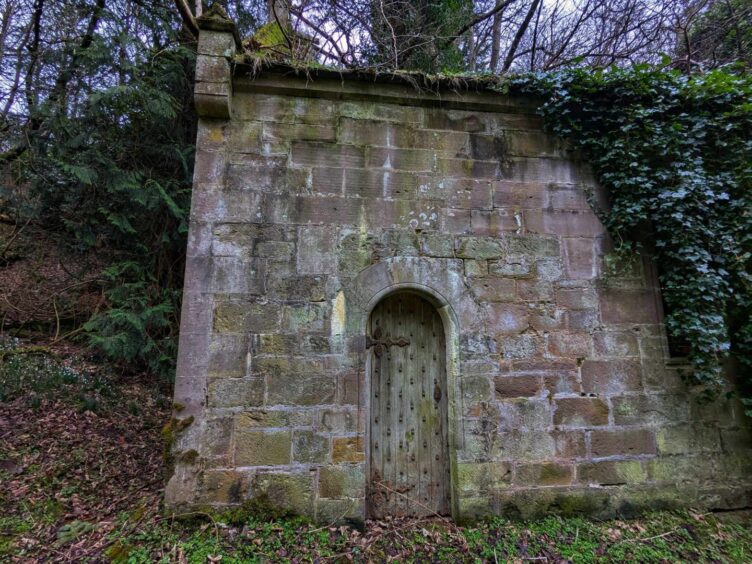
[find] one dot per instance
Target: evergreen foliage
(108, 161)
(674, 153)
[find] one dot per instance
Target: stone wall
(318, 196)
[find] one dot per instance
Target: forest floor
(82, 474)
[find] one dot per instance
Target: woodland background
(97, 134)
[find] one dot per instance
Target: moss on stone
(189, 456)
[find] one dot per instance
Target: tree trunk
(518, 36)
(496, 39)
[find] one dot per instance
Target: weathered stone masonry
(316, 196)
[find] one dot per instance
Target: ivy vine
(674, 153)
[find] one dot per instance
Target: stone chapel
(395, 304)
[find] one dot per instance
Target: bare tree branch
(188, 20)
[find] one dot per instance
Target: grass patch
(658, 537)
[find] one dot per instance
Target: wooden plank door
(409, 462)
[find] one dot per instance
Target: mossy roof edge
(254, 65)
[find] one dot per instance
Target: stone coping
(406, 89)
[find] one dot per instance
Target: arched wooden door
(409, 459)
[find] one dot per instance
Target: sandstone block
(210, 168)
(619, 307)
(525, 195)
(524, 414)
(489, 289)
(577, 298)
(612, 473)
(233, 240)
(261, 448)
(535, 290)
(437, 245)
(459, 193)
(676, 469)
(650, 408)
(608, 377)
(326, 154)
(316, 250)
(215, 440)
(232, 275)
(351, 389)
(567, 198)
(294, 492)
(453, 120)
(570, 444)
(374, 132)
(344, 481)
(547, 317)
(199, 240)
(623, 442)
(348, 449)
(310, 288)
(524, 446)
(615, 343)
(479, 248)
(328, 180)
(300, 389)
(516, 347)
(306, 317)
(278, 136)
(570, 344)
(585, 321)
(309, 447)
(467, 168)
(475, 389)
(415, 160)
(260, 174)
(483, 478)
(475, 268)
(401, 242)
(549, 269)
(547, 474)
(212, 68)
(580, 258)
(228, 356)
(557, 171)
(456, 221)
(496, 222)
(512, 266)
(339, 420)
(694, 439)
(236, 314)
(580, 412)
(507, 318)
(235, 392)
(255, 419)
(563, 223)
(488, 147)
(275, 250)
(517, 386)
(223, 486)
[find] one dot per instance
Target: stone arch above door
(441, 281)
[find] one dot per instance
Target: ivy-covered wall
(314, 195)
